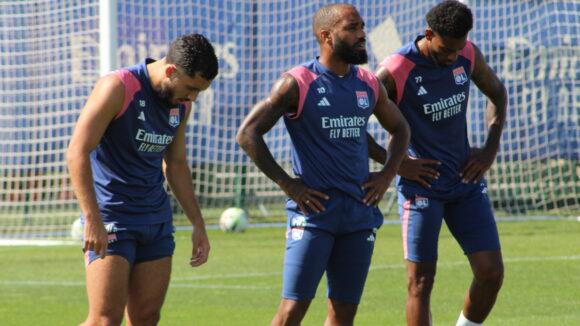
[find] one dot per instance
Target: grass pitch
(241, 283)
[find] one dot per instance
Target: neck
(423, 46)
(156, 72)
(338, 67)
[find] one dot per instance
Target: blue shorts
(343, 214)
(345, 258)
(469, 218)
(138, 243)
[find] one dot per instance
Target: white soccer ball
(76, 230)
(234, 219)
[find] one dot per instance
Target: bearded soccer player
(129, 139)
(332, 213)
(442, 176)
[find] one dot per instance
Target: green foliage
(241, 284)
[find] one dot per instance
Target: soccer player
(442, 177)
(129, 138)
(332, 213)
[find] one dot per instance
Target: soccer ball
(234, 219)
(76, 230)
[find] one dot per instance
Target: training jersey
(433, 99)
(328, 132)
(127, 163)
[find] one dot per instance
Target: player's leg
(149, 278)
(487, 269)
(147, 288)
(420, 280)
(290, 312)
(107, 282)
(421, 223)
(340, 313)
(471, 222)
(307, 253)
(346, 275)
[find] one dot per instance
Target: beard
(165, 95)
(349, 53)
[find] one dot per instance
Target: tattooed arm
(283, 99)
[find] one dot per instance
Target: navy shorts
(138, 243)
(469, 218)
(345, 258)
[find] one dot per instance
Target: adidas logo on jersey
(422, 91)
(324, 102)
(141, 116)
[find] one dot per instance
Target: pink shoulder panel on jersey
(399, 67)
(469, 53)
(304, 77)
(371, 80)
(132, 86)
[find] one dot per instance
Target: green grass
(241, 283)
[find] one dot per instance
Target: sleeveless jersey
(433, 99)
(328, 132)
(127, 163)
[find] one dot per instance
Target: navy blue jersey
(127, 163)
(329, 144)
(433, 99)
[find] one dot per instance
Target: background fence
(49, 61)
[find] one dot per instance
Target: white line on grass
(255, 287)
(466, 262)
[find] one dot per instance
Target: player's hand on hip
(200, 250)
(306, 198)
(479, 162)
(418, 169)
(95, 238)
(376, 187)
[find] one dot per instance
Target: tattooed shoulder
(285, 93)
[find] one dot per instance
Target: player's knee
(341, 313)
(291, 312)
(490, 275)
(420, 284)
(146, 318)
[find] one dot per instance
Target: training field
(44, 285)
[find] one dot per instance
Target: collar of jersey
(324, 70)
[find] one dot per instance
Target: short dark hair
(450, 18)
(193, 53)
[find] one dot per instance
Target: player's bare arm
(104, 103)
(283, 99)
(489, 84)
(393, 121)
(178, 177)
(417, 169)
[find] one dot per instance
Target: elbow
(242, 138)
(405, 131)
(71, 157)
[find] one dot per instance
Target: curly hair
(450, 18)
(193, 53)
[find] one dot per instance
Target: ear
(170, 70)
(325, 36)
(429, 33)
